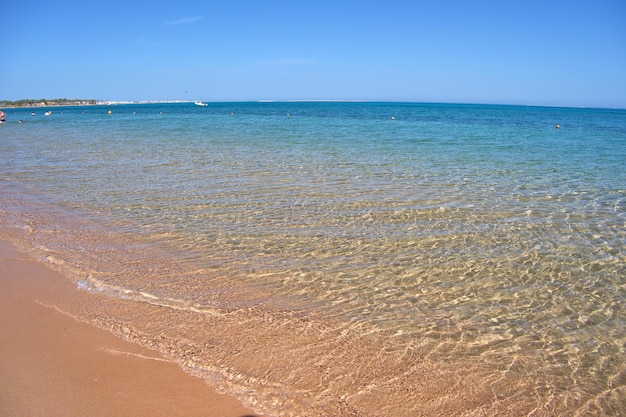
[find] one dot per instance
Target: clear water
(343, 258)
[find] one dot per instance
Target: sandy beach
(54, 365)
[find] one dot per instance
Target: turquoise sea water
(344, 258)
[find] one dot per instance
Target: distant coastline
(46, 102)
(28, 103)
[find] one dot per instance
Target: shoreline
(55, 365)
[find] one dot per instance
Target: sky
(532, 52)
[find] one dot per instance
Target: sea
(342, 258)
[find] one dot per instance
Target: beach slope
(54, 365)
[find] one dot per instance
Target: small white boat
(199, 103)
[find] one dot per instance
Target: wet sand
(54, 365)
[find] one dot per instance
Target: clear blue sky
(561, 52)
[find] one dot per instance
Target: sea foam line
(91, 284)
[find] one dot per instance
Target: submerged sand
(52, 364)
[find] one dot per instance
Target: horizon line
(122, 102)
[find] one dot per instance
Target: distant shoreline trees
(47, 102)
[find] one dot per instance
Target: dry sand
(54, 365)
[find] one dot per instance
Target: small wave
(91, 284)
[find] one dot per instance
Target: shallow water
(344, 258)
